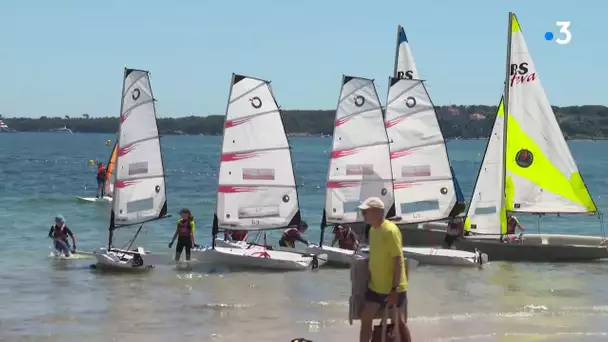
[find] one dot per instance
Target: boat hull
(337, 257)
(105, 199)
(258, 258)
(539, 248)
(416, 235)
(441, 257)
(120, 259)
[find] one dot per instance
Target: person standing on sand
(387, 274)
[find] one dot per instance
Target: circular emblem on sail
(444, 191)
(135, 94)
(410, 102)
(286, 198)
(524, 158)
(255, 102)
(359, 100)
(157, 188)
(383, 191)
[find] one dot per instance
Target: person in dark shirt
(291, 235)
(60, 232)
(345, 237)
(235, 235)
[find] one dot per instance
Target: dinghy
(139, 188)
(359, 165)
(256, 183)
(424, 184)
(110, 176)
(527, 168)
(423, 145)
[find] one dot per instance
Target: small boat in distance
(5, 129)
(63, 129)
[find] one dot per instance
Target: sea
(45, 299)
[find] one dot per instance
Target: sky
(66, 57)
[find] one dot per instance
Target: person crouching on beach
(387, 276)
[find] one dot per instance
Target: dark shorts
(382, 299)
(284, 243)
(62, 247)
(183, 242)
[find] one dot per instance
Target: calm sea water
(43, 299)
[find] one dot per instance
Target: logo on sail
(135, 94)
(519, 74)
(255, 102)
(258, 174)
(524, 158)
(359, 100)
(410, 102)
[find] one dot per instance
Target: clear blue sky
(65, 57)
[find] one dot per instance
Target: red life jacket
(60, 233)
(346, 239)
(184, 228)
(238, 235)
(291, 235)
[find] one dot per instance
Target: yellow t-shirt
(384, 245)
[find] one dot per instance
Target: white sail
(359, 165)
(139, 188)
(540, 167)
(423, 184)
(256, 187)
(404, 60)
(486, 213)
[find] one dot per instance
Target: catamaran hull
(258, 258)
(337, 257)
(539, 248)
(120, 259)
(441, 257)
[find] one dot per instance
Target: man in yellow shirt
(387, 276)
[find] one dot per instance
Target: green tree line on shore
(583, 122)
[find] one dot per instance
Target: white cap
(372, 202)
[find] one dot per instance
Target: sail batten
(359, 165)
(139, 186)
(256, 183)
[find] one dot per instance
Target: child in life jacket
(291, 235)
(184, 234)
(60, 232)
(345, 237)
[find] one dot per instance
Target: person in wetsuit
(235, 235)
(60, 232)
(184, 234)
(345, 237)
(101, 180)
(291, 235)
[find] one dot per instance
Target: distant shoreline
(456, 122)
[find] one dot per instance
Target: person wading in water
(184, 234)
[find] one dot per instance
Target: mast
(122, 101)
(506, 113)
(215, 228)
(397, 51)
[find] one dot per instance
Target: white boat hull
(538, 247)
(258, 258)
(123, 259)
(335, 256)
(105, 199)
(444, 257)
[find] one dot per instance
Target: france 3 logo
(564, 30)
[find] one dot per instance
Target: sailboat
(359, 165)
(139, 188)
(527, 168)
(256, 183)
(424, 184)
(110, 176)
(419, 143)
